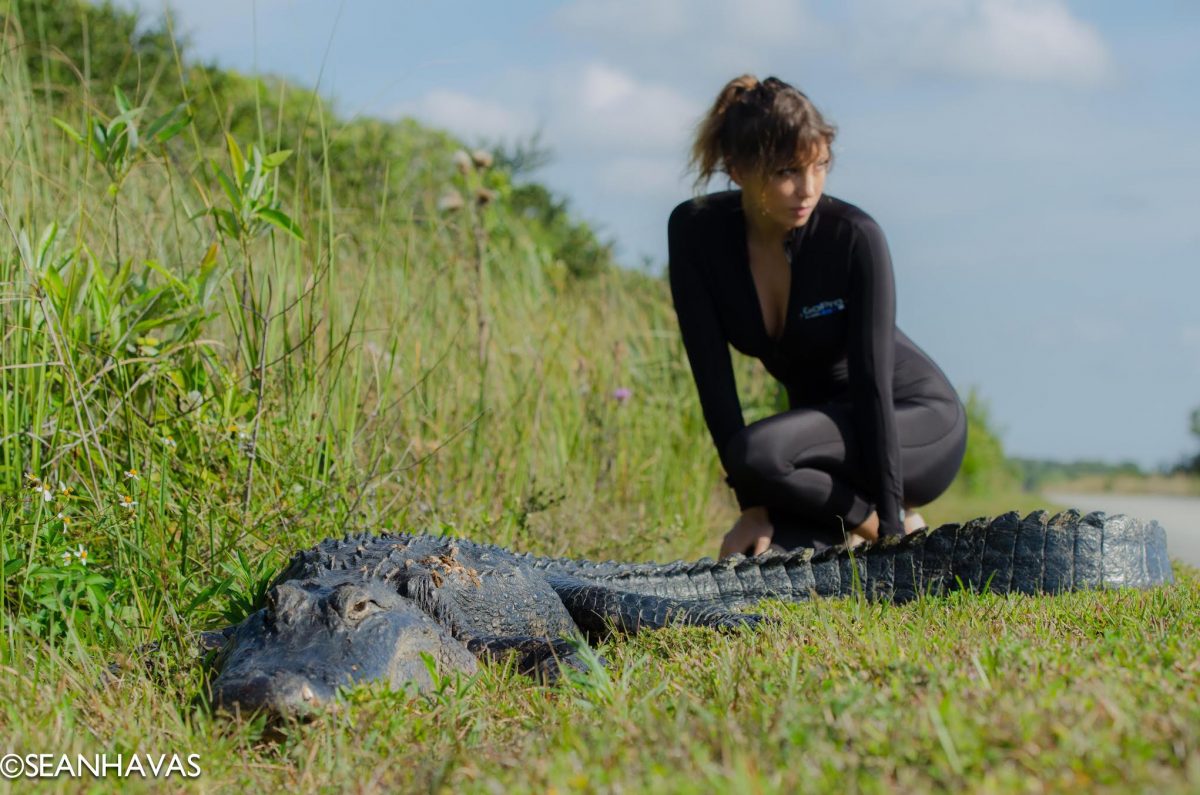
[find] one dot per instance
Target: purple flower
(621, 394)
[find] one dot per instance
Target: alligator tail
(1037, 554)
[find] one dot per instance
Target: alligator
(402, 608)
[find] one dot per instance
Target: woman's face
(786, 198)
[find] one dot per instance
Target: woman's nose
(807, 182)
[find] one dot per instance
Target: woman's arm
(705, 343)
(871, 353)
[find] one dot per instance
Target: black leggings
(804, 465)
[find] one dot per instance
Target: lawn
(975, 692)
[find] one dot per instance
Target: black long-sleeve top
(839, 340)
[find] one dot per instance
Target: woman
(803, 281)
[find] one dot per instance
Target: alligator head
(315, 636)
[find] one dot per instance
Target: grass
(1091, 691)
(209, 359)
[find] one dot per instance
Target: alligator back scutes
(1035, 554)
(1038, 553)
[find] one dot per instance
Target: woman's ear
(735, 174)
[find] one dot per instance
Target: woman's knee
(752, 456)
(930, 471)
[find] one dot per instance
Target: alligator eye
(361, 607)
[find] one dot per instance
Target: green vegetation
(234, 324)
(1178, 485)
(1125, 477)
(1087, 692)
(1038, 473)
(1090, 476)
(1191, 465)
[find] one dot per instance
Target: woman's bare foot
(913, 522)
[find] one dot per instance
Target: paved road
(1179, 515)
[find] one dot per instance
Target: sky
(1035, 164)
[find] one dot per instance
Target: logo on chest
(822, 309)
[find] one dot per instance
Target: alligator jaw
(278, 693)
(291, 658)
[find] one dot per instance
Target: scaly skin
(382, 608)
(1037, 554)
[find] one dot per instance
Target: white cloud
(603, 88)
(688, 36)
(702, 22)
(584, 110)
(656, 178)
(1024, 40)
(470, 117)
(626, 17)
(630, 134)
(606, 109)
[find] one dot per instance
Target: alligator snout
(280, 693)
(314, 637)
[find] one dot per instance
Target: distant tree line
(1036, 473)
(1191, 464)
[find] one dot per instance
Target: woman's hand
(751, 534)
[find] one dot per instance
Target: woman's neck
(760, 228)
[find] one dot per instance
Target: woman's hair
(758, 127)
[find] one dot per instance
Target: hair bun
(743, 84)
